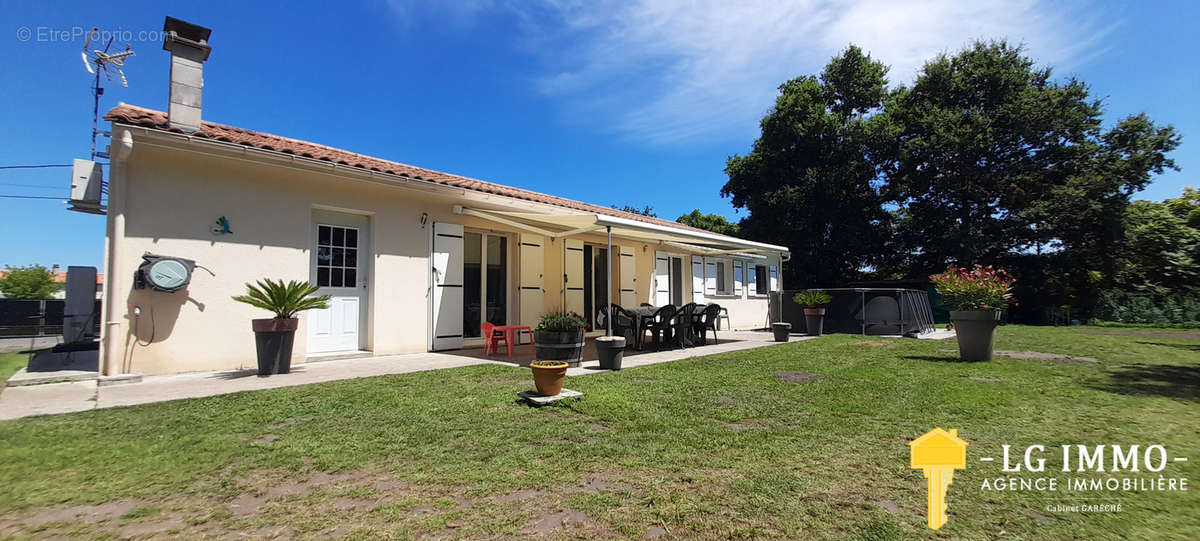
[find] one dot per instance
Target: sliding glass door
(485, 281)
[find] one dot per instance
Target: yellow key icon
(938, 453)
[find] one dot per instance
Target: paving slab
(538, 400)
(17, 402)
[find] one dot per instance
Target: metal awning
(567, 224)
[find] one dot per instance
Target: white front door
(338, 268)
(446, 268)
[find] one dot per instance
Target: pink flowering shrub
(981, 288)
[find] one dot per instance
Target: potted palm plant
(559, 337)
(814, 303)
(975, 298)
(273, 337)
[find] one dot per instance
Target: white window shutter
(661, 293)
(446, 266)
(737, 277)
(774, 271)
(628, 284)
(752, 279)
(697, 279)
(710, 276)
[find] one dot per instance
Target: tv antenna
(97, 61)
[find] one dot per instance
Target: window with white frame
(762, 280)
(722, 282)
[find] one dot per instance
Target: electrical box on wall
(163, 273)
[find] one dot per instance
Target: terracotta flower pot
(548, 376)
(975, 331)
(273, 339)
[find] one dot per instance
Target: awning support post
(608, 288)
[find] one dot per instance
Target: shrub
(981, 288)
(812, 299)
(561, 321)
(1121, 306)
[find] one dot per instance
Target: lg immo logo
(938, 453)
(1080, 473)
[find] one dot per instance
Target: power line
(35, 166)
(31, 197)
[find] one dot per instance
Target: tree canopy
(807, 181)
(985, 159)
(711, 222)
(32, 282)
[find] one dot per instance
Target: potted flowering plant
(975, 298)
(813, 303)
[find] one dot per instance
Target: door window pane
(472, 283)
(337, 256)
(497, 279)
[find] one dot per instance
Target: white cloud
(680, 72)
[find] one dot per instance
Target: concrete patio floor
(53, 398)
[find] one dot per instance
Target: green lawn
(9, 364)
(715, 447)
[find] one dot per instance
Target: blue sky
(610, 103)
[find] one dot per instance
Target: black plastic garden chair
(708, 320)
(659, 324)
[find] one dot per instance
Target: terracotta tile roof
(149, 118)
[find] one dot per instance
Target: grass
(714, 447)
(10, 363)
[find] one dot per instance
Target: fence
(21, 318)
(867, 311)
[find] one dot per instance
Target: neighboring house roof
(148, 118)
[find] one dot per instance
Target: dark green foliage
(644, 211)
(807, 181)
(985, 160)
(285, 300)
(32, 282)
(1127, 307)
(711, 222)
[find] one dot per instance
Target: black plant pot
(273, 339)
(814, 321)
(781, 330)
(610, 350)
(564, 346)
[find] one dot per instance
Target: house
(414, 260)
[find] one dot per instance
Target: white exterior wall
(164, 200)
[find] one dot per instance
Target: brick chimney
(188, 45)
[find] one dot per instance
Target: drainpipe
(110, 330)
(608, 275)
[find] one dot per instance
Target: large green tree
(808, 179)
(995, 160)
(711, 222)
(32, 282)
